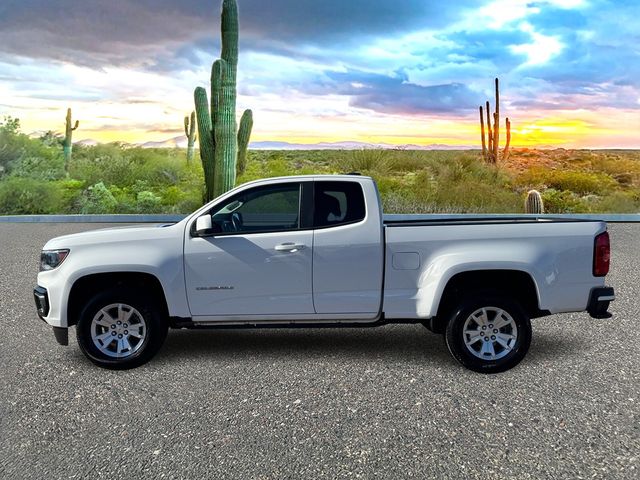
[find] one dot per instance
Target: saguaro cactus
(217, 130)
(533, 202)
(68, 133)
(244, 132)
(190, 132)
(491, 145)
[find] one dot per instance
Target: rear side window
(337, 203)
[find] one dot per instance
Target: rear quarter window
(337, 203)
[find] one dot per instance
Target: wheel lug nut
(495, 331)
(493, 337)
(490, 326)
(120, 336)
(484, 327)
(119, 322)
(482, 334)
(126, 332)
(125, 325)
(486, 339)
(113, 326)
(113, 333)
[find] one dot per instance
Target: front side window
(262, 209)
(337, 203)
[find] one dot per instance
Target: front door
(259, 260)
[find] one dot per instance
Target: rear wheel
(120, 329)
(488, 334)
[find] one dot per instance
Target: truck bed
(423, 255)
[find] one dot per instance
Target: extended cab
(315, 251)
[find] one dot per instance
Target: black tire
(455, 336)
(155, 329)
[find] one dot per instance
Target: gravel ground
(373, 403)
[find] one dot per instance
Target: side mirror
(204, 225)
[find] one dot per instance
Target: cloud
(396, 95)
(332, 57)
(94, 32)
(131, 32)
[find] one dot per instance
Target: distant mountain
(87, 142)
(175, 142)
(351, 145)
(181, 142)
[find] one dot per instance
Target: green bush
(562, 201)
(148, 202)
(366, 161)
(27, 196)
(48, 166)
(579, 182)
(396, 203)
(70, 195)
(98, 199)
(620, 202)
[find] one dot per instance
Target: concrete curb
(162, 218)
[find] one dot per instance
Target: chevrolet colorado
(315, 251)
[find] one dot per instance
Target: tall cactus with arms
(217, 130)
(190, 132)
(491, 145)
(68, 133)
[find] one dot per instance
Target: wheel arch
(88, 285)
(517, 284)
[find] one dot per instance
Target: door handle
(289, 247)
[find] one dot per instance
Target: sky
(378, 71)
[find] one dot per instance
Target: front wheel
(120, 329)
(488, 334)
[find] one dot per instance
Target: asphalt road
(341, 403)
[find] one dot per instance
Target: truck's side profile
(315, 251)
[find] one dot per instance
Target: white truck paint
(354, 270)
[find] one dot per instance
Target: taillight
(601, 255)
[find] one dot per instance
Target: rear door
(348, 254)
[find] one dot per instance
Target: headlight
(50, 259)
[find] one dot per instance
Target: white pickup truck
(314, 251)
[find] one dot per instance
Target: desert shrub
(464, 183)
(103, 164)
(188, 205)
(49, 165)
(172, 195)
(365, 161)
(562, 201)
(26, 196)
(148, 202)
(625, 170)
(397, 203)
(619, 202)
(158, 166)
(70, 191)
(27, 157)
(387, 185)
(471, 195)
(98, 199)
(408, 160)
(579, 182)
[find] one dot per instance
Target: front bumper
(41, 297)
(599, 302)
